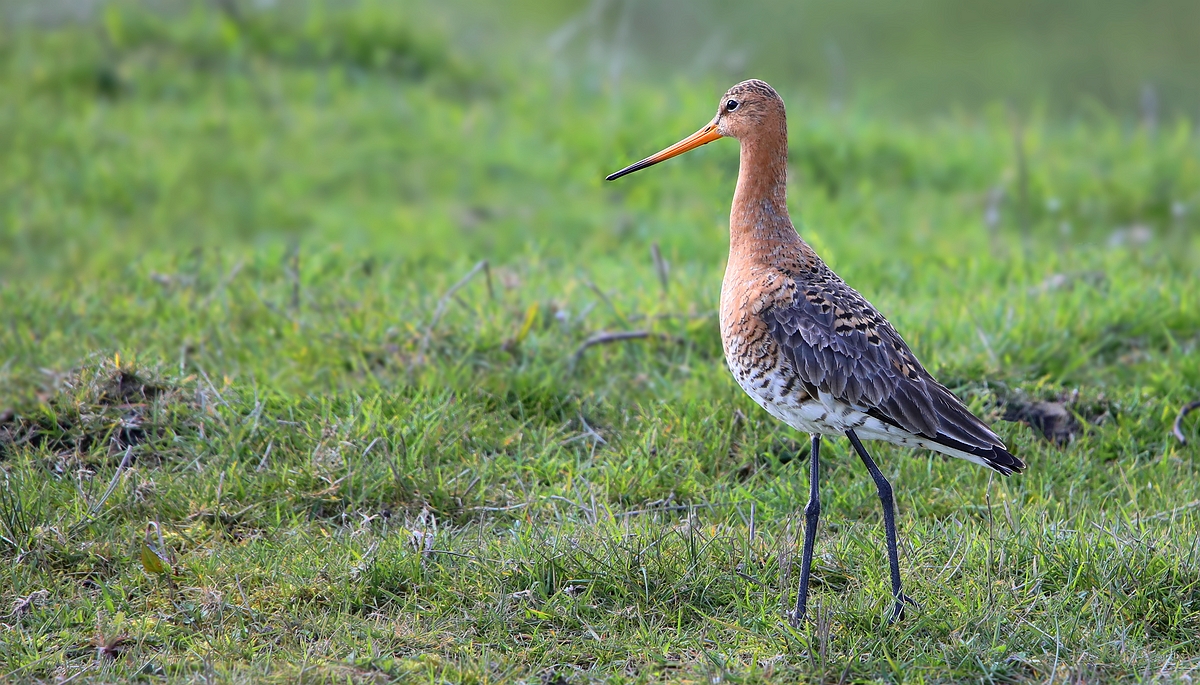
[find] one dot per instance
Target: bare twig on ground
(600, 293)
(511, 507)
(1177, 427)
(112, 485)
(752, 579)
(1172, 512)
(591, 432)
(262, 464)
(660, 266)
(618, 336)
(676, 507)
(487, 274)
(440, 310)
(223, 284)
(291, 267)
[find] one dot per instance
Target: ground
(294, 383)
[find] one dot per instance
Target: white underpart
(831, 416)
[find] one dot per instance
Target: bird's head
(746, 110)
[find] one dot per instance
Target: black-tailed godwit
(807, 347)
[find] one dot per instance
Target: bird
(808, 348)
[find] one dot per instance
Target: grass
(220, 262)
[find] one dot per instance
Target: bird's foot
(898, 610)
(794, 618)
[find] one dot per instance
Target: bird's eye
(731, 105)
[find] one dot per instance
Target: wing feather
(837, 343)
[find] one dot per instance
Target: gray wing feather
(837, 343)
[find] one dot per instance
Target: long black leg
(889, 523)
(812, 512)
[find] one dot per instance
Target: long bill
(705, 135)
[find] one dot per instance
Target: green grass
(222, 248)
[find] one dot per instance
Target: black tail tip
(1005, 462)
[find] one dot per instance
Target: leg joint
(813, 509)
(884, 488)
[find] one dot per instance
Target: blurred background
(924, 56)
(475, 129)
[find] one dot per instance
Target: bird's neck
(759, 218)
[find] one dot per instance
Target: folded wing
(838, 344)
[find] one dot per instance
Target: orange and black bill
(705, 135)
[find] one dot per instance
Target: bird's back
(817, 355)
